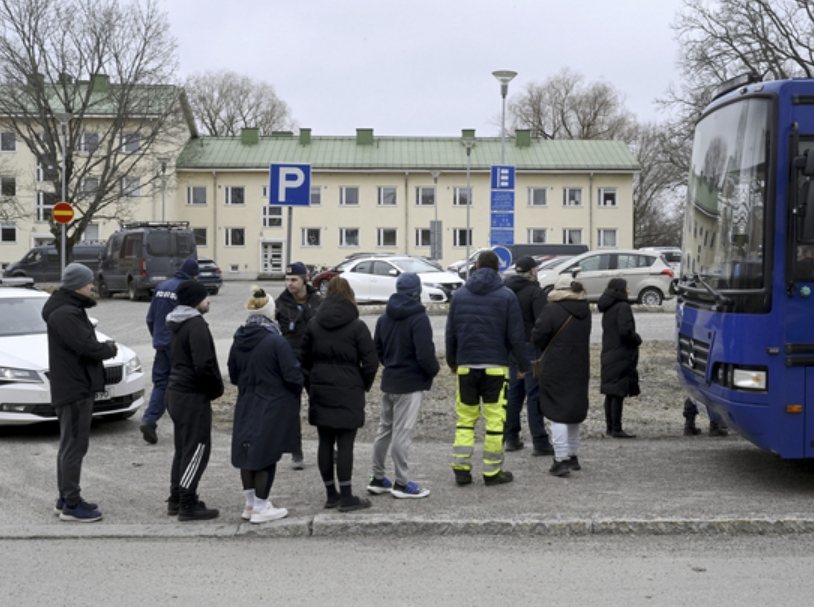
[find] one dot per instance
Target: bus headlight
(748, 379)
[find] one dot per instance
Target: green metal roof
(403, 153)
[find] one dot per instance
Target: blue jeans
(527, 389)
(161, 376)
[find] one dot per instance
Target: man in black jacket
(194, 381)
(76, 373)
(531, 299)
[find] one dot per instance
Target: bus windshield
(724, 231)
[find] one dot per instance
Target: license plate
(102, 395)
(206, 274)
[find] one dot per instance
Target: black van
(42, 262)
(140, 255)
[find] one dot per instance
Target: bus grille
(694, 354)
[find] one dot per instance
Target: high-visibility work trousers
(476, 386)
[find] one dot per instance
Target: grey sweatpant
(74, 437)
(398, 419)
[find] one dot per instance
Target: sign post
(62, 214)
(289, 185)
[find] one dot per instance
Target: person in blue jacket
(164, 301)
(403, 339)
(484, 331)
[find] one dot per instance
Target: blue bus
(745, 312)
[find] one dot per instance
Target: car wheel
(104, 292)
(650, 297)
(213, 291)
(323, 288)
(132, 292)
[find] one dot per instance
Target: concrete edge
(354, 525)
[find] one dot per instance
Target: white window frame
(600, 198)
(383, 195)
(344, 240)
(43, 209)
(533, 235)
(423, 238)
(382, 233)
(131, 187)
(531, 197)
(87, 143)
(41, 173)
(229, 237)
(196, 189)
(421, 192)
(4, 183)
(457, 195)
(603, 234)
(306, 239)
(4, 229)
(572, 197)
(198, 232)
(131, 143)
(232, 193)
(343, 195)
(272, 216)
(459, 237)
(567, 233)
(8, 141)
(96, 230)
(316, 196)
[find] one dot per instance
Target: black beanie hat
(191, 293)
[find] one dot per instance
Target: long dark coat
(566, 366)
(620, 346)
(269, 381)
(339, 355)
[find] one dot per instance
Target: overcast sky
(424, 67)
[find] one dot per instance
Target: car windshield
(21, 316)
(414, 265)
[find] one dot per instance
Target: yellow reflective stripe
(504, 371)
(463, 370)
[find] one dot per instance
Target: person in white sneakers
(264, 368)
(403, 339)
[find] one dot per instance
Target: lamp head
(504, 77)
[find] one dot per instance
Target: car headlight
(12, 375)
(132, 366)
(432, 285)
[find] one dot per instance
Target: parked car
(25, 391)
(647, 274)
(543, 262)
(459, 267)
(42, 262)
(210, 275)
(320, 281)
(672, 255)
(374, 278)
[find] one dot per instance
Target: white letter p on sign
(290, 179)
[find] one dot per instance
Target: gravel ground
(657, 412)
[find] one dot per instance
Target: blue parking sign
(502, 177)
(290, 184)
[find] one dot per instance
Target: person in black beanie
(194, 381)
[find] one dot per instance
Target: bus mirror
(805, 163)
(808, 217)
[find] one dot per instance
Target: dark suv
(141, 255)
(42, 262)
(210, 275)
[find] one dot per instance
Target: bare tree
(224, 102)
(101, 69)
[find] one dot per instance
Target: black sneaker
(622, 434)
(81, 513)
(501, 478)
(173, 506)
(573, 463)
(60, 506)
(560, 468)
(356, 503)
(148, 432)
(718, 430)
(541, 450)
(462, 477)
(197, 512)
(513, 445)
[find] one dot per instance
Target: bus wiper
(720, 298)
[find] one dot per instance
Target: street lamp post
(64, 118)
(163, 162)
(504, 77)
(468, 142)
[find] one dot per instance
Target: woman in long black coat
(563, 332)
(267, 413)
(340, 357)
(620, 354)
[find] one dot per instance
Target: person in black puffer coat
(340, 359)
(563, 333)
(620, 354)
(266, 425)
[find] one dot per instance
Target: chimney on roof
(523, 138)
(364, 136)
(249, 136)
(99, 83)
(305, 136)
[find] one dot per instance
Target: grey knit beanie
(75, 276)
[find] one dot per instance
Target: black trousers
(74, 438)
(192, 417)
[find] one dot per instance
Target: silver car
(648, 276)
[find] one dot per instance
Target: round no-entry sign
(62, 212)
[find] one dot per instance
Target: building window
(387, 237)
(264, 191)
(131, 187)
(91, 233)
(348, 237)
(8, 232)
(89, 187)
(89, 142)
(234, 195)
(8, 186)
(196, 195)
(462, 237)
(131, 143)
(537, 197)
(272, 217)
(572, 236)
(425, 197)
(572, 197)
(607, 197)
(45, 203)
(606, 239)
(46, 170)
(349, 196)
(462, 197)
(536, 235)
(316, 195)
(311, 237)
(200, 236)
(387, 197)
(235, 237)
(422, 237)
(8, 142)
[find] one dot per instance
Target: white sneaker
(247, 513)
(269, 514)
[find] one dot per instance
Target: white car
(25, 392)
(374, 278)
